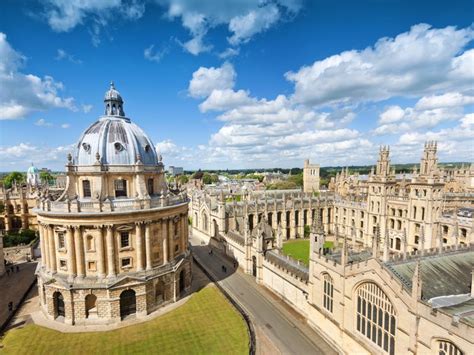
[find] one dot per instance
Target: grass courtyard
(299, 249)
(205, 324)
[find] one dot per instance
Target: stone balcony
(110, 204)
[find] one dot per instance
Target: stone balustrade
(111, 205)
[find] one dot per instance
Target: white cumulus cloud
(205, 80)
(21, 94)
(421, 61)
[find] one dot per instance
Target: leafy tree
(13, 176)
(14, 239)
(296, 179)
(45, 176)
(183, 179)
(210, 178)
(282, 185)
(307, 230)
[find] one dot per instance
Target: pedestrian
(8, 272)
(10, 306)
(235, 263)
(17, 268)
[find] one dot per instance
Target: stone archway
(128, 303)
(59, 309)
(159, 292)
(91, 305)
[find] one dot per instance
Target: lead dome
(115, 139)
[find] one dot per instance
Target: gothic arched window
(376, 317)
(447, 348)
(328, 292)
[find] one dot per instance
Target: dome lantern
(113, 102)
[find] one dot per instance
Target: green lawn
(206, 324)
(297, 249)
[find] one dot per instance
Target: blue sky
(240, 84)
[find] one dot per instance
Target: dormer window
(118, 146)
(147, 148)
(86, 147)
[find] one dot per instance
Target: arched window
(204, 221)
(328, 291)
(159, 292)
(447, 348)
(376, 316)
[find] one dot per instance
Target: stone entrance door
(59, 304)
(254, 266)
(128, 303)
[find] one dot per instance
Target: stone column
(148, 246)
(71, 253)
(52, 249)
(139, 246)
(164, 235)
(80, 257)
(183, 234)
(44, 248)
(100, 253)
(170, 239)
(110, 252)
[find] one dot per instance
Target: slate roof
(441, 275)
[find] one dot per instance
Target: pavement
(14, 286)
(279, 329)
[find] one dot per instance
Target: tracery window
(376, 316)
(447, 348)
(328, 292)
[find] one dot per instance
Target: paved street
(284, 328)
(14, 286)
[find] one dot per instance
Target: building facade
(399, 279)
(116, 241)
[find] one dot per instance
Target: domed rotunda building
(115, 243)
